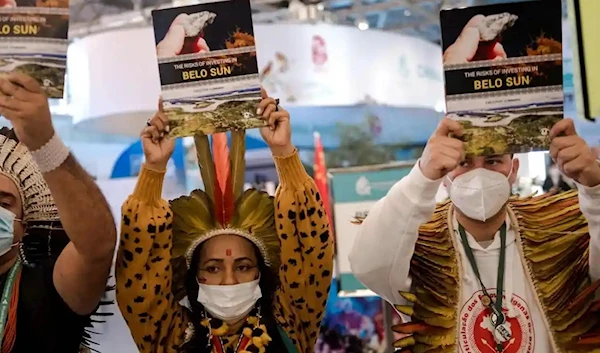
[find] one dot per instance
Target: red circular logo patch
(477, 332)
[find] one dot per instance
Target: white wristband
(51, 155)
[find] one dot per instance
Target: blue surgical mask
(7, 231)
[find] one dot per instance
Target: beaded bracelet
(51, 155)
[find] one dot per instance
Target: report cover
(33, 40)
(208, 68)
(503, 74)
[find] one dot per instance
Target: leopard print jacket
(144, 274)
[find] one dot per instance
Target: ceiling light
(363, 25)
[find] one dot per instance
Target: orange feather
(584, 295)
(595, 306)
(589, 339)
(410, 327)
(224, 200)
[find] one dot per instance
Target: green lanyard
(498, 318)
(6, 293)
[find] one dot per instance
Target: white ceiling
(413, 17)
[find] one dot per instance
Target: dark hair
(268, 284)
(10, 133)
(332, 338)
(355, 345)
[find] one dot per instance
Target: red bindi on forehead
(228, 252)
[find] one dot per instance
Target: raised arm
(390, 231)
(143, 269)
(589, 203)
(306, 253)
(83, 267)
(304, 233)
(381, 255)
(577, 161)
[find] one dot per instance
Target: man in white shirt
(486, 272)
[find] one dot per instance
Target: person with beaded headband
(487, 271)
(223, 269)
(55, 254)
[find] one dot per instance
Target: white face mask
(480, 193)
(229, 303)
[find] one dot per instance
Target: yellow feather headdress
(222, 208)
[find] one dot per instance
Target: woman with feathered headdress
(225, 270)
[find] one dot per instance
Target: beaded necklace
(254, 337)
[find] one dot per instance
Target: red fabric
(216, 342)
(320, 171)
(224, 202)
(10, 333)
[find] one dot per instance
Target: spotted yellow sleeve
(306, 254)
(143, 270)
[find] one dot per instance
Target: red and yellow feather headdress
(223, 207)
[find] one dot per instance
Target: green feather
(206, 164)
(238, 163)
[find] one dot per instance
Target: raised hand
(157, 147)
(442, 153)
(174, 41)
(23, 102)
(466, 47)
(575, 159)
(278, 133)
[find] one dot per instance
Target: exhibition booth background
(378, 88)
(387, 84)
(339, 81)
